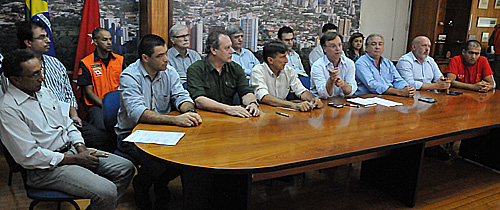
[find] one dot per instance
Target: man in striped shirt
(32, 36)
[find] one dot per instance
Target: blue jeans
(103, 185)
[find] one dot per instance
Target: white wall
(391, 19)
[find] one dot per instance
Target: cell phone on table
(428, 100)
(334, 105)
(454, 93)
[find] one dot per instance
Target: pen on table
(286, 115)
(352, 105)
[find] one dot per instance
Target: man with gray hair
(241, 56)
(420, 70)
(180, 56)
(470, 70)
(214, 81)
(376, 74)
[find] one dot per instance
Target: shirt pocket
(229, 88)
(209, 88)
(163, 103)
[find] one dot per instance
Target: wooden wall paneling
(155, 17)
(491, 12)
(424, 14)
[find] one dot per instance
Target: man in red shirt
(470, 70)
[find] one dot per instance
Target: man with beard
(180, 56)
(420, 70)
(470, 70)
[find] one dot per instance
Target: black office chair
(38, 195)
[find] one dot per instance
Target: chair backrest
(13, 166)
(110, 106)
(306, 81)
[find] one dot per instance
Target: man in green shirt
(213, 81)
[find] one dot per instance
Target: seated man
(273, 80)
(420, 70)
(180, 56)
(375, 74)
(242, 56)
(214, 80)
(32, 36)
(285, 35)
(470, 70)
(149, 88)
(318, 52)
(333, 74)
(99, 73)
(46, 143)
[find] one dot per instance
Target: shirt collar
(96, 57)
(327, 62)
(269, 71)
(145, 74)
(18, 95)
(177, 53)
(416, 59)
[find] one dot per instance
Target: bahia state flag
(38, 10)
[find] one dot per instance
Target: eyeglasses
(42, 37)
(473, 53)
(183, 36)
(36, 75)
(289, 40)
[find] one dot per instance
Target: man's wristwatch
(191, 110)
(254, 102)
(78, 144)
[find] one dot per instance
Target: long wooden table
(222, 156)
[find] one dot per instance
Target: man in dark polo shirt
(213, 81)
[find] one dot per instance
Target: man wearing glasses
(470, 70)
(242, 56)
(285, 35)
(180, 56)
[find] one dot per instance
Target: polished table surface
(274, 142)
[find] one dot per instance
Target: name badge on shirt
(97, 71)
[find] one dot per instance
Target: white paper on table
(362, 101)
(385, 102)
(155, 137)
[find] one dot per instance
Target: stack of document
(155, 137)
(373, 101)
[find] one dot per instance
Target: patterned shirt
(56, 79)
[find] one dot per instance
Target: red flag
(90, 21)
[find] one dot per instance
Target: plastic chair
(39, 195)
(110, 107)
(306, 81)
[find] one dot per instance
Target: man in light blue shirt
(149, 88)
(285, 35)
(180, 56)
(241, 55)
(317, 52)
(333, 74)
(375, 74)
(420, 70)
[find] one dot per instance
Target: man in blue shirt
(180, 56)
(420, 70)
(242, 56)
(149, 88)
(375, 74)
(285, 35)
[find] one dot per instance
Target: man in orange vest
(99, 73)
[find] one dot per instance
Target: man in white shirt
(273, 80)
(333, 74)
(420, 70)
(241, 55)
(317, 52)
(45, 141)
(285, 35)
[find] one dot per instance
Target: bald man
(420, 70)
